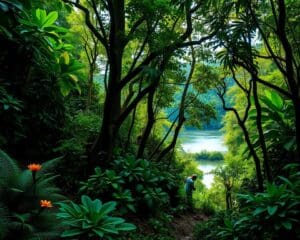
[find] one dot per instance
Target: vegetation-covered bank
(211, 156)
(94, 94)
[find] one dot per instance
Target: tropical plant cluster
(273, 214)
(152, 187)
(32, 207)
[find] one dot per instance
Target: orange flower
(46, 204)
(34, 167)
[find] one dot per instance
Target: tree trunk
(296, 104)
(228, 198)
(113, 116)
(90, 88)
(255, 157)
(290, 70)
(102, 149)
(260, 131)
(241, 123)
(293, 87)
(173, 142)
(164, 139)
(130, 128)
(181, 118)
(150, 123)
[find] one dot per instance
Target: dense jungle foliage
(94, 95)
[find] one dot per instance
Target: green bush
(158, 228)
(161, 223)
(78, 131)
(209, 156)
(207, 207)
(273, 214)
(109, 185)
(90, 219)
(208, 230)
(129, 177)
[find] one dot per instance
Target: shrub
(161, 224)
(90, 219)
(207, 207)
(145, 180)
(208, 230)
(211, 156)
(109, 185)
(78, 131)
(273, 214)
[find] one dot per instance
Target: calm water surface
(193, 141)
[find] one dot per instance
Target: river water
(193, 141)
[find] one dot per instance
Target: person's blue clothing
(189, 186)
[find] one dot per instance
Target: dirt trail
(183, 225)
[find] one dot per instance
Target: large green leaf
(114, 220)
(99, 232)
(87, 202)
(287, 225)
(109, 229)
(272, 210)
(41, 16)
(290, 144)
(65, 208)
(65, 58)
(258, 211)
(275, 98)
(77, 208)
(86, 225)
(97, 205)
(50, 19)
(65, 86)
(107, 208)
(71, 233)
(126, 227)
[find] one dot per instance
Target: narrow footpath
(183, 225)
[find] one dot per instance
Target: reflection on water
(194, 141)
(197, 141)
